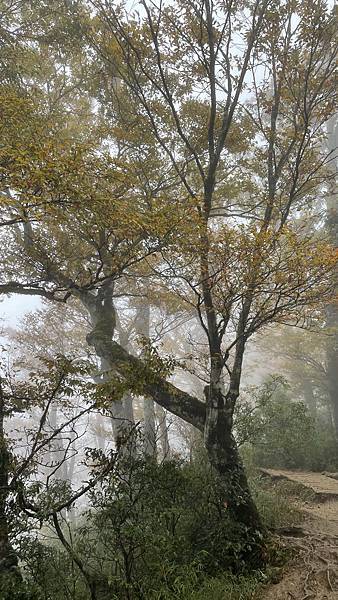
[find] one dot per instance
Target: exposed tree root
(314, 572)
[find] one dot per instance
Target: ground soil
(312, 573)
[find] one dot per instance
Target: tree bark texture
(223, 452)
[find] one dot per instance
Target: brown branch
(167, 395)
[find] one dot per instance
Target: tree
(279, 431)
(231, 99)
(299, 354)
(181, 66)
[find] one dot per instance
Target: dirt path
(324, 487)
(313, 573)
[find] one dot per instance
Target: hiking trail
(312, 574)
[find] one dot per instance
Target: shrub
(152, 532)
(13, 588)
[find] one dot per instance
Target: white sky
(13, 308)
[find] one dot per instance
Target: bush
(175, 509)
(13, 588)
(152, 532)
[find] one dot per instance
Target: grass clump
(276, 503)
(227, 586)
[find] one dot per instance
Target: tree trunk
(309, 398)
(142, 326)
(224, 457)
(127, 407)
(103, 321)
(332, 374)
(121, 423)
(8, 556)
(56, 451)
(57, 455)
(332, 309)
(163, 436)
(99, 433)
(150, 449)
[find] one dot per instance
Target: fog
(168, 300)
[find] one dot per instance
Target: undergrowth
(161, 534)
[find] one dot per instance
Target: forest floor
(312, 572)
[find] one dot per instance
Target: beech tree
(236, 95)
(230, 101)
